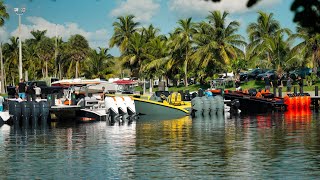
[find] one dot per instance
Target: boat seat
(175, 99)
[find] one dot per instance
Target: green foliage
(311, 79)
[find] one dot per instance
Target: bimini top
(76, 82)
(124, 82)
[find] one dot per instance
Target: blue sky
(93, 18)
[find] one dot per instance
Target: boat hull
(146, 107)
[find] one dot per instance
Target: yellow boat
(163, 104)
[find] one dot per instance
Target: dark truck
(45, 89)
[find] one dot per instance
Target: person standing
(289, 84)
(268, 83)
(279, 81)
(300, 83)
(37, 91)
(31, 92)
(1, 103)
(237, 84)
(22, 89)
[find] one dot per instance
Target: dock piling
(280, 92)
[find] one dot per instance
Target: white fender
(130, 104)
(111, 103)
(121, 104)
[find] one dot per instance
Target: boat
(163, 104)
(253, 101)
(92, 109)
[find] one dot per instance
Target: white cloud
(3, 34)
(143, 10)
(96, 38)
(200, 8)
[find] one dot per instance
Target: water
(273, 145)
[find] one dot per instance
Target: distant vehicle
(251, 74)
(302, 72)
(271, 74)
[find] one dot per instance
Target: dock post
(275, 91)
(295, 90)
(280, 92)
(316, 91)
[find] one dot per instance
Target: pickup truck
(45, 89)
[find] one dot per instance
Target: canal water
(272, 145)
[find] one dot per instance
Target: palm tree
(309, 46)
(11, 54)
(183, 42)
(3, 13)
(123, 30)
(135, 53)
(45, 51)
(78, 48)
(217, 42)
(266, 26)
(277, 49)
(157, 58)
(99, 63)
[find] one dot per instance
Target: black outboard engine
(44, 112)
(35, 113)
(234, 106)
(26, 112)
(15, 111)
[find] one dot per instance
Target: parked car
(270, 73)
(302, 72)
(251, 74)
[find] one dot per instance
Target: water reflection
(272, 145)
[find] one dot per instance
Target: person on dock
(37, 90)
(300, 83)
(1, 103)
(104, 92)
(237, 84)
(18, 98)
(279, 81)
(289, 84)
(31, 94)
(21, 89)
(268, 83)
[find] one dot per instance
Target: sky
(93, 18)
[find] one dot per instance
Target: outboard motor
(26, 112)
(111, 107)
(121, 105)
(196, 107)
(35, 113)
(220, 104)
(44, 112)
(206, 105)
(213, 105)
(131, 108)
(15, 111)
(235, 104)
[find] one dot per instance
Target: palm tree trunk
(186, 69)
(60, 75)
(46, 69)
(151, 86)
(314, 61)
(144, 85)
(2, 74)
(77, 69)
